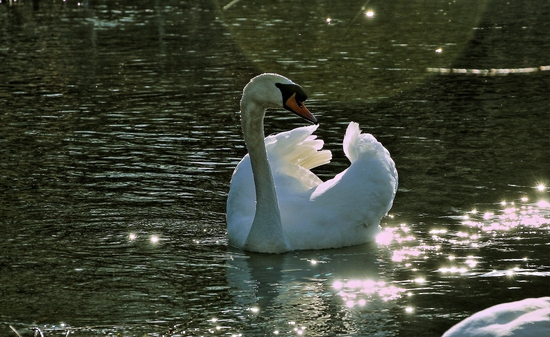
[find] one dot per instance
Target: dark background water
(118, 125)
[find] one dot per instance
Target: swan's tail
(357, 144)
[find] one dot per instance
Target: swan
(526, 318)
(276, 204)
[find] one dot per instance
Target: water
(120, 134)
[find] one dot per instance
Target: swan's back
(347, 209)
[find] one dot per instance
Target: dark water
(119, 135)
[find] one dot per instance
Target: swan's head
(275, 91)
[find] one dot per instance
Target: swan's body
(526, 318)
(277, 204)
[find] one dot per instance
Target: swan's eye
(301, 95)
(287, 90)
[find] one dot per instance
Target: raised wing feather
(293, 153)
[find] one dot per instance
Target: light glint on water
(385, 237)
(460, 250)
(531, 215)
(362, 292)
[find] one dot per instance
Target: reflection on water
(119, 135)
(299, 291)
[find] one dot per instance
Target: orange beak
(300, 109)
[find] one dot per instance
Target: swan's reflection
(335, 287)
(265, 277)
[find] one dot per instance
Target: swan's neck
(266, 234)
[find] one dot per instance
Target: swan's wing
(298, 146)
(291, 156)
(346, 209)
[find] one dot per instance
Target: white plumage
(313, 214)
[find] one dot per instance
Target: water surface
(120, 132)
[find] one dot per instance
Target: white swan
(526, 318)
(276, 204)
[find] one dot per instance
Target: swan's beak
(300, 109)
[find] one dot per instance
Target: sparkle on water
(477, 228)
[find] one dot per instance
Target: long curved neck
(266, 233)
